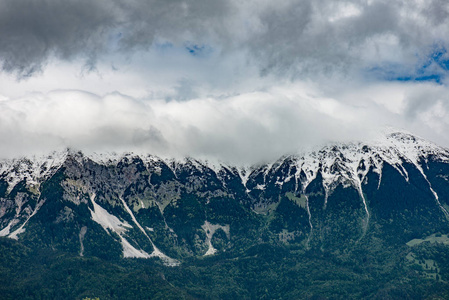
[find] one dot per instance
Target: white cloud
(250, 127)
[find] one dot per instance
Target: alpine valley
(358, 220)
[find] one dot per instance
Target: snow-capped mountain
(129, 205)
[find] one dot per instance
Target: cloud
(241, 81)
(34, 31)
(293, 38)
(248, 128)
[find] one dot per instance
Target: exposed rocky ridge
(142, 206)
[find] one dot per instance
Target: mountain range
(342, 199)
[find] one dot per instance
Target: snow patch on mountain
(21, 229)
(130, 251)
(156, 252)
(210, 230)
(5, 231)
(108, 221)
(32, 169)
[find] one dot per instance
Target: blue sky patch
(198, 50)
(434, 68)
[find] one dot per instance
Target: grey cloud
(151, 137)
(430, 100)
(32, 31)
(185, 90)
(175, 19)
(436, 11)
(289, 38)
(281, 34)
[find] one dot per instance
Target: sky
(238, 81)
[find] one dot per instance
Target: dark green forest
(264, 271)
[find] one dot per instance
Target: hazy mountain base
(265, 271)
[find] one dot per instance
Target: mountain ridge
(144, 202)
(391, 146)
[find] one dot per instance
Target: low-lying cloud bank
(247, 128)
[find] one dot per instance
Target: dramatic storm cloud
(233, 80)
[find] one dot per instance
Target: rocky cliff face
(111, 206)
